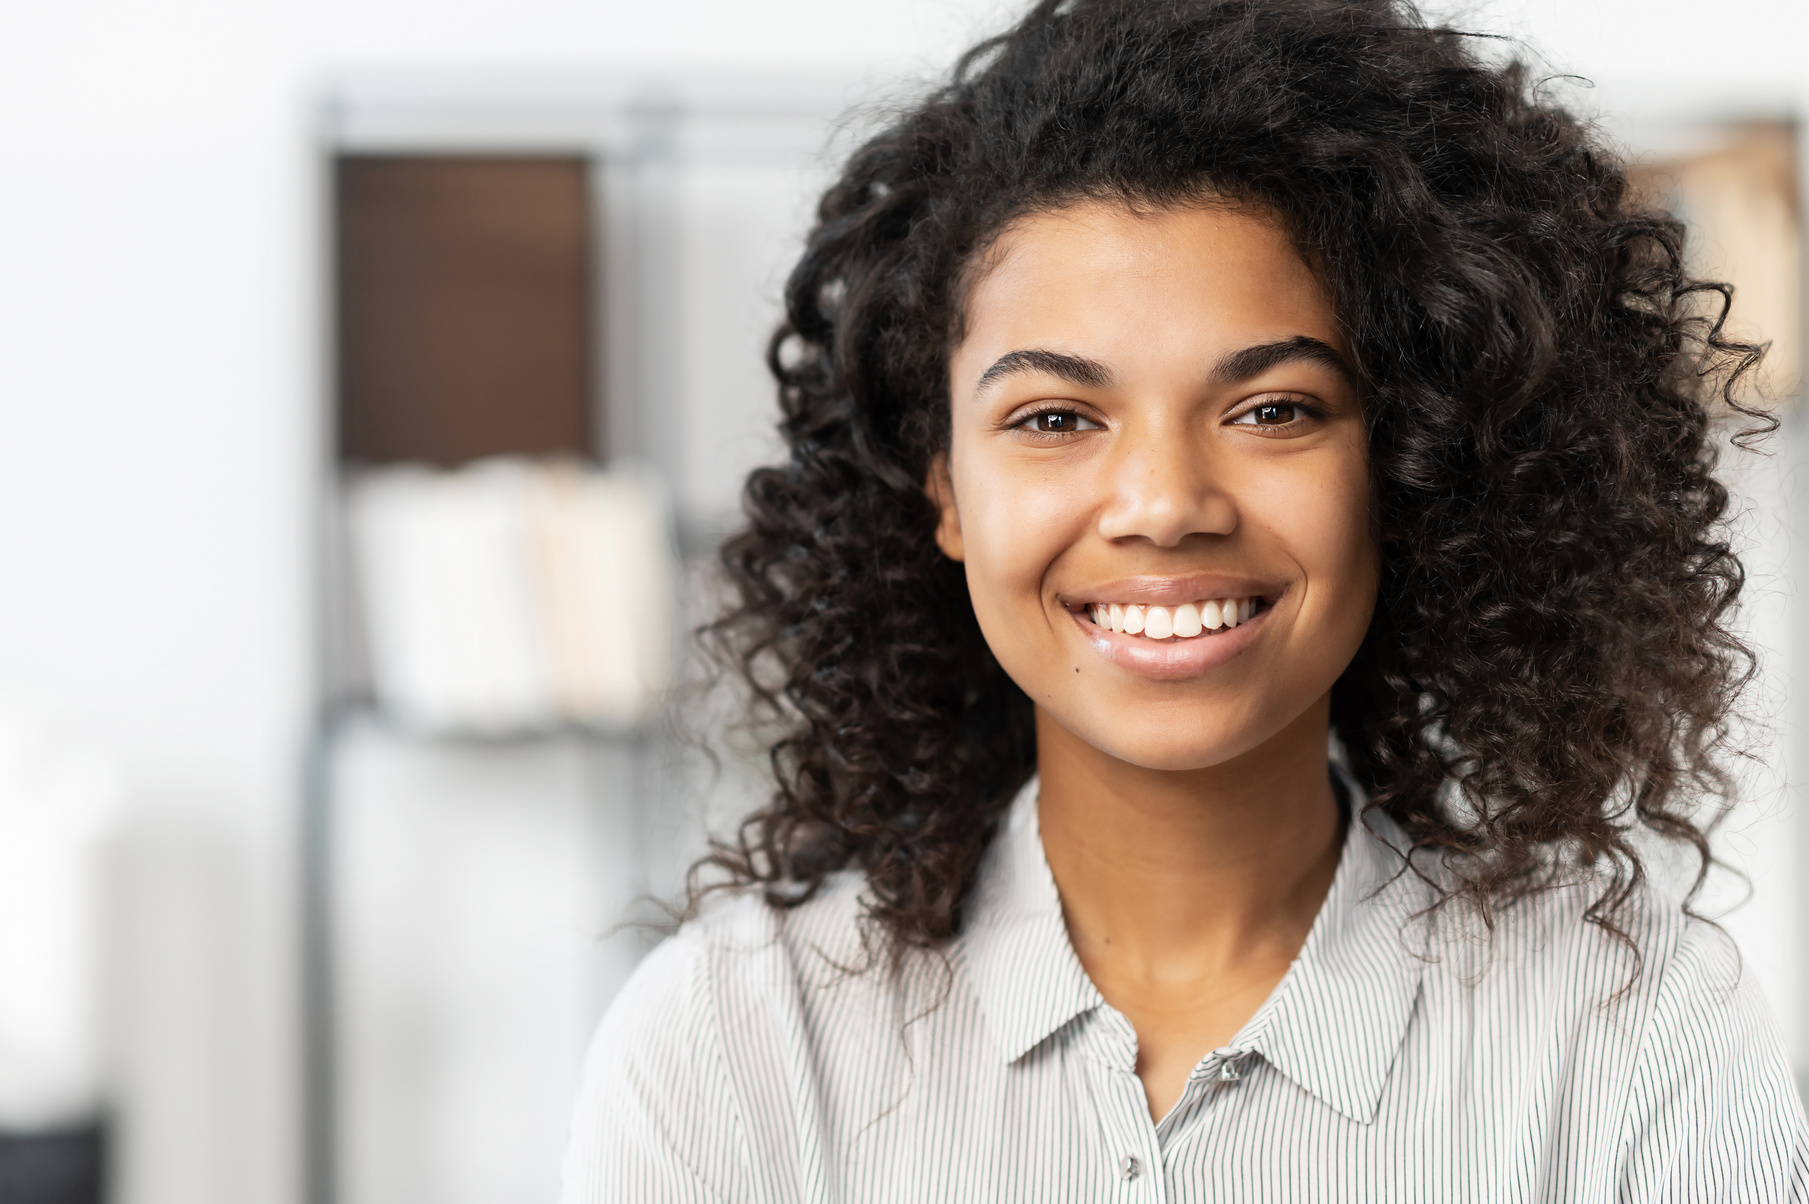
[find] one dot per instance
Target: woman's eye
(1270, 413)
(1058, 422)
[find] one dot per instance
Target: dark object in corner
(61, 1167)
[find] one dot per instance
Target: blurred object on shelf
(59, 803)
(59, 807)
(513, 595)
(1736, 187)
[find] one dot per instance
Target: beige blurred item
(599, 558)
(513, 595)
(1736, 187)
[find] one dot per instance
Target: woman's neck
(1188, 894)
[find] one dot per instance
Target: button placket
(1138, 1165)
(1107, 1051)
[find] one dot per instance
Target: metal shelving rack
(637, 135)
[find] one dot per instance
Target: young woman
(1246, 586)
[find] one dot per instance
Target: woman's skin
(1154, 407)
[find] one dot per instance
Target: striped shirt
(755, 1057)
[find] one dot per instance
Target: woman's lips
(1173, 590)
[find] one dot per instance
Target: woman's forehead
(1134, 281)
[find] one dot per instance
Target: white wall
(159, 392)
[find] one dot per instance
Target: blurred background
(375, 381)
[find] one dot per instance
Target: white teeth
(1171, 622)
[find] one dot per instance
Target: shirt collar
(1015, 946)
(1333, 1025)
(1337, 1019)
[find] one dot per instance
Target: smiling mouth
(1190, 620)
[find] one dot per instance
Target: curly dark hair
(1550, 667)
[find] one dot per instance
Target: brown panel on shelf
(464, 308)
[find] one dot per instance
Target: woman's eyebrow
(1251, 362)
(1075, 369)
(1238, 366)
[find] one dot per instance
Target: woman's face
(1155, 429)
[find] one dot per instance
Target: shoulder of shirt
(741, 938)
(734, 983)
(1650, 944)
(829, 924)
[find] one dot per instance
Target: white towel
(59, 802)
(514, 595)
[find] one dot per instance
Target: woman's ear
(941, 490)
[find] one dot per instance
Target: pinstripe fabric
(753, 1060)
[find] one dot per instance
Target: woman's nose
(1163, 489)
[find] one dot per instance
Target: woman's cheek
(1328, 526)
(1014, 530)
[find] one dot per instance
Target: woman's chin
(1154, 744)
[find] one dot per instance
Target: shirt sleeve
(655, 1122)
(1714, 1112)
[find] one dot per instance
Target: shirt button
(1130, 1166)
